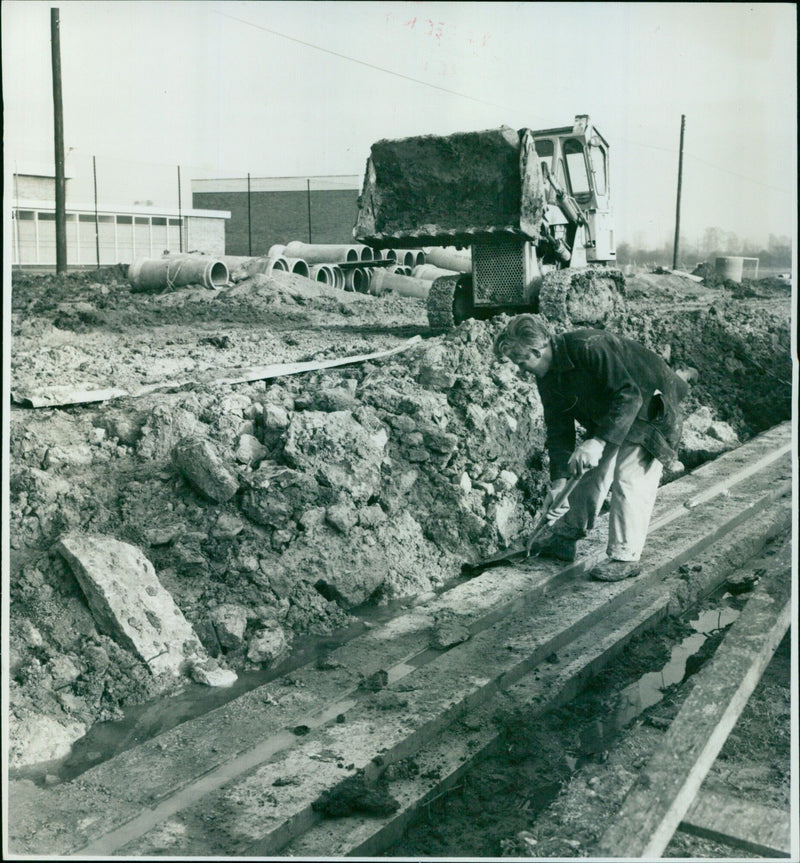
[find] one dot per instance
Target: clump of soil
(354, 796)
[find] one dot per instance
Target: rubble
(295, 498)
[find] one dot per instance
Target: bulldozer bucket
(451, 190)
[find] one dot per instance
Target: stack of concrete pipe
(409, 276)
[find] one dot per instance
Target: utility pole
(678, 204)
(249, 222)
(58, 128)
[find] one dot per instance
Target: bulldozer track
(440, 303)
(241, 780)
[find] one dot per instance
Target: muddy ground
(361, 484)
(553, 784)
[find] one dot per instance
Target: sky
(297, 89)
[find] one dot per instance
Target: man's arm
(560, 440)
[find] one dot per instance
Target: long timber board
(225, 763)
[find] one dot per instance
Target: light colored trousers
(632, 474)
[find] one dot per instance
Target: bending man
(628, 401)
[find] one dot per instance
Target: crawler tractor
(533, 207)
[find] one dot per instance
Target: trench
(143, 722)
(539, 766)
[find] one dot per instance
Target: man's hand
(556, 487)
(587, 455)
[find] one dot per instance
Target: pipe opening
(218, 274)
(300, 267)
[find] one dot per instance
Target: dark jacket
(616, 389)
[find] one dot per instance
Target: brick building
(312, 209)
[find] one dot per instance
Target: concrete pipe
(404, 286)
(389, 254)
(321, 254)
(265, 266)
(449, 258)
(428, 272)
(730, 268)
(276, 251)
(147, 274)
(279, 263)
(357, 279)
(365, 253)
(338, 277)
(419, 258)
(298, 265)
(405, 257)
(322, 273)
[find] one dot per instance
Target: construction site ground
(360, 491)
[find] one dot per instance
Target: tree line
(714, 243)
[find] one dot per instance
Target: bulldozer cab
(574, 160)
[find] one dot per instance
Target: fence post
(308, 196)
(180, 215)
(96, 219)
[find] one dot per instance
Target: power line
(674, 152)
(735, 174)
(362, 62)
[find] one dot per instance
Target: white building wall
(205, 235)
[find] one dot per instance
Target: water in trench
(649, 689)
(142, 722)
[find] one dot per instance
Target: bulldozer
(533, 207)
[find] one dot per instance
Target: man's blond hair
(524, 332)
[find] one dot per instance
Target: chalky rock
(129, 603)
(269, 645)
(34, 738)
(202, 466)
(704, 438)
(339, 449)
(230, 622)
(209, 673)
(250, 450)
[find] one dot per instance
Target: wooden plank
(667, 786)
(60, 396)
(761, 830)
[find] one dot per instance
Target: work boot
(556, 547)
(615, 570)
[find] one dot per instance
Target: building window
(47, 217)
(175, 222)
(124, 220)
(159, 220)
(83, 217)
(26, 215)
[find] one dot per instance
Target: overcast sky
(296, 88)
